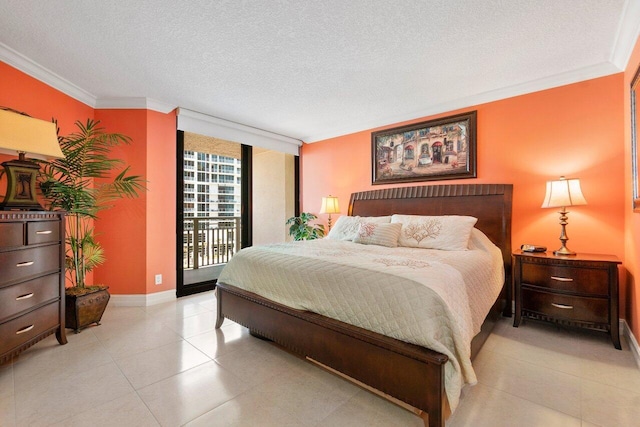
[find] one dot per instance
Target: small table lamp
(22, 134)
(563, 193)
(329, 206)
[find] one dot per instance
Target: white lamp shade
(329, 205)
(23, 134)
(563, 192)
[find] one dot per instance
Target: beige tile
(126, 411)
(128, 339)
(193, 325)
(483, 406)
(122, 314)
(538, 343)
(601, 362)
(77, 356)
(190, 394)
(55, 397)
(50, 345)
(367, 409)
(608, 406)
(541, 385)
(178, 309)
(143, 369)
(308, 392)
(248, 409)
(7, 396)
(231, 337)
(259, 362)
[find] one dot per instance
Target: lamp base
(564, 251)
(21, 185)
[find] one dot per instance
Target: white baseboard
(633, 342)
(143, 300)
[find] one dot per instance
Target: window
(203, 177)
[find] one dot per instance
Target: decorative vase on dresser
(31, 279)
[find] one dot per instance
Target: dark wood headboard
(490, 203)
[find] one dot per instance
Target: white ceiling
(314, 69)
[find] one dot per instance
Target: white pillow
(371, 233)
(447, 232)
(346, 227)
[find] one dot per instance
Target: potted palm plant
(82, 184)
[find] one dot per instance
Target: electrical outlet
(158, 279)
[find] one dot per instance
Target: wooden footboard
(407, 372)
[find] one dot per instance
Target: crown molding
(38, 72)
(626, 35)
(132, 103)
(27, 66)
(556, 80)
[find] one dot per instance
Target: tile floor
(167, 365)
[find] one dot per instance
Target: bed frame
(408, 373)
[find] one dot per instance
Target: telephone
(533, 248)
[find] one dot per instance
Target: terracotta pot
(84, 310)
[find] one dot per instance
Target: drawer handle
(25, 329)
(562, 279)
(564, 306)
(25, 264)
(44, 232)
(25, 296)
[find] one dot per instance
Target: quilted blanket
(433, 298)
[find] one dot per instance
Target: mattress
(433, 298)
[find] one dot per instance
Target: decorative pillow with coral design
(370, 233)
(346, 227)
(447, 232)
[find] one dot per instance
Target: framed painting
(635, 185)
(429, 151)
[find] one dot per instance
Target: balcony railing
(209, 241)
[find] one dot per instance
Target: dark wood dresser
(579, 290)
(31, 279)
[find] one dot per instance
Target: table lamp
(563, 193)
(21, 134)
(329, 206)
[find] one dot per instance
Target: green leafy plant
(300, 228)
(82, 184)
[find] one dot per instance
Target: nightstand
(579, 290)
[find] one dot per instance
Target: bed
(408, 373)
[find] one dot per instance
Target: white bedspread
(436, 299)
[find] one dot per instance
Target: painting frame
(635, 184)
(433, 150)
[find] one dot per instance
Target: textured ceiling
(316, 69)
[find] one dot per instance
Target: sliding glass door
(209, 201)
(229, 196)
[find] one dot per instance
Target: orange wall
(138, 235)
(574, 130)
(161, 205)
(26, 94)
(632, 220)
(121, 230)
